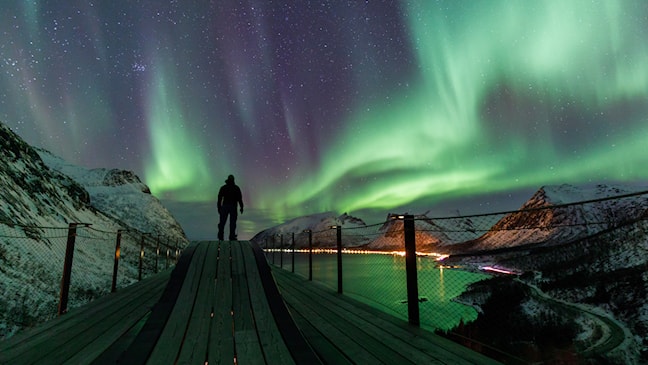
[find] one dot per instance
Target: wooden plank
(221, 337)
(364, 333)
(396, 333)
(331, 327)
(372, 334)
(325, 348)
(170, 341)
(272, 343)
(66, 335)
(247, 347)
(194, 347)
(428, 342)
(83, 313)
(112, 354)
(108, 331)
(299, 348)
(142, 346)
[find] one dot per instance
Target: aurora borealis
(347, 106)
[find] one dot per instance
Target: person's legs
(221, 224)
(232, 230)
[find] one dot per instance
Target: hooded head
(230, 179)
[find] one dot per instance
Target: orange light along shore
(436, 256)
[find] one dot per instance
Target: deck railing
(497, 283)
(72, 265)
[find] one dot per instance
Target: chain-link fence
(535, 285)
(32, 268)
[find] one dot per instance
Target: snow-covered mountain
(121, 195)
(320, 224)
(41, 194)
(592, 257)
(548, 219)
(391, 237)
(387, 236)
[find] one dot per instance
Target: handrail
(465, 243)
(100, 261)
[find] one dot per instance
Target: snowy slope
(36, 205)
(319, 224)
(535, 224)
(121, 195)
(545, 219)
(428, 235)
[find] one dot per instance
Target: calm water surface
(380, 281)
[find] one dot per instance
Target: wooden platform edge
(299, 348)
(142, 346)
(456, 353)
(54, 338)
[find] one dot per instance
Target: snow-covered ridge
(41, 194)
(561, 222)
(319, 223)
(120, 194)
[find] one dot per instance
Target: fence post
(177, 252)
(339, 257)
(410, 269)
(157, 253)
(67, 269)
(293, 252)
(281, 250)
(274, 245)
(113, 288)
(310, 255)
(168, 254)
(141, 258)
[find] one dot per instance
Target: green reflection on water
(380, 281)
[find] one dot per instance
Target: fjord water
(379, 280)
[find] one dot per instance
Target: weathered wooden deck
(83, 334)
(217, 306)
(222, 305)
(345, 331)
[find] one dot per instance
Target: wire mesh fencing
(488, 281)
(32, 268)
(30, 286)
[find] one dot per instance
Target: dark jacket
(230, 195)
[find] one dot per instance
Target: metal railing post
(411, 270)
(293, 252)
(113, 288)
(274, 245)
(177, 252)
(168, 254)
(157, 253)
(310, 255)
(339, 258)
(281, 251)
(141, 258)
(67, 269)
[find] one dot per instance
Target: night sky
(347, 106)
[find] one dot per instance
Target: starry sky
(363, 107)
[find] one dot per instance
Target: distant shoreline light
(436, 256)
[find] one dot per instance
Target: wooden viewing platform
(221, 305)
(345, 331)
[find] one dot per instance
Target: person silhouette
(229, 197)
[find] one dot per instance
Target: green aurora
(333, 106)
(488, 109)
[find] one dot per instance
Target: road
(613, 333)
